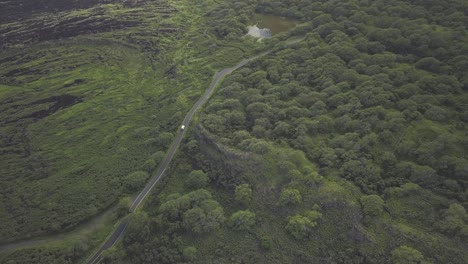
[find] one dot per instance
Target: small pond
(268, 25)
(276, 24)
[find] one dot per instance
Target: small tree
(407, 255)
(243, 194)
(149, 165)
(138, 228)
(266, 243)
(300, 226)
(313, 215)
(135, 181)
(109, 255)
(123, 206)
(455, 220)
(204, 218)
(197, 179)
(165, 139)
(158, 156)
(372, 205)
(290, 196)
(242, 220)
(190, 253)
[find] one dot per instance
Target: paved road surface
(170, 154)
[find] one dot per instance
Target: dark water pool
(276, 24)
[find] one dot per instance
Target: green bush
(123, 206)
(266, 243)
(407, 255)
(149, 165)
(164, 140)
(243, 194)
(455, 221)
(138, 229)
(290, 196)
(300, 226)
(195, 211)
(372, 205)
(197, 179)
(135, 181)
(158, 156)
(190, 253)
(242, 220)
(204, 218)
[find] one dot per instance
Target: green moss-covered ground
(90, 94)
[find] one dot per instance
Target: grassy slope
(71, 146)
(132, 84)
(65, 167)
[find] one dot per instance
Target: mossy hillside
(131, 88)
(71, 162)
(69, 247)
(68, 140)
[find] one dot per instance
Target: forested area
(347, 147)
(350, 100)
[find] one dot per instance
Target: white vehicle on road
(182, 127)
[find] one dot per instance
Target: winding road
(112, 239)
(120, 230)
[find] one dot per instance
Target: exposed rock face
(227, 167)
(257, 32)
